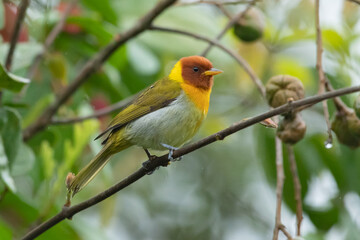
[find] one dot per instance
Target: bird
(164, 116)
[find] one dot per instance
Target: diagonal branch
(16, 32)
(51, 37)
(68, 212)
(94, 64)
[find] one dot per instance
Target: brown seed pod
(291, 129)
(282, 88)
(347, 128)
(251, 27)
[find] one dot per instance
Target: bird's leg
(146, 164)
(171, 152)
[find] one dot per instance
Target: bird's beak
(212, 72)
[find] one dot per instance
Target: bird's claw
(171, 152)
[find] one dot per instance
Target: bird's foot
(171, 152)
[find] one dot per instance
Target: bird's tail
(94, 166)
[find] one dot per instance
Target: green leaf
(104, 8)
(37, 109)
(5, 231)
(93, 26)
(4, 168)
(10, 131)
(10, 81)
(24, 161)
(73, 149)
(47, 157)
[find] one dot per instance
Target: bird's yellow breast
(199, 97)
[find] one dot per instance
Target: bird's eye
(195, 69)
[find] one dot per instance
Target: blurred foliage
(226, 191)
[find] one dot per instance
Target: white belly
(172, 125)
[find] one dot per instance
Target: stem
(297, 187)
(15, 35)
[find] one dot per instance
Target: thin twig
(231, 22)
(339, 104)
(297, 188)
(285, 232)
(224, 11)
(279, 186)
(233, 54)
(94, 64)
(213, 2)
(51, 38)
(322, 78)
(99, 113)
(69, 212)
(16, 32)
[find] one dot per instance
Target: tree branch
(94, 64)
(297, 188)
(51, 38)
(233, 54)
(68, 212)
(279, 186)
(16, 32)
(322, 78)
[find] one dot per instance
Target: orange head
(196, 71)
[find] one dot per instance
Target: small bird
(164, 116)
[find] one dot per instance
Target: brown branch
(233, 54)
(322, 78)
(99, 113)
(297, 188)
(279, 186)
(150, 166)
(94, 64)
(51, 38)
(231, 22)
(16, 32)
(224, 11)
